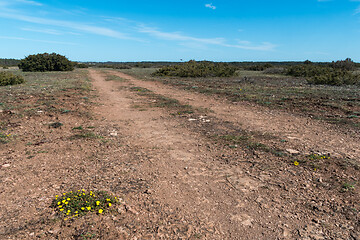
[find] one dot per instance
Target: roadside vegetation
(46, 62)
(197, 69)
(8, 78)
(325, 91)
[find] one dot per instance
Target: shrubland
(46, 62)
(197, 69)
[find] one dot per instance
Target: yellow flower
(83, 190)
(69, 210)
(76, 212)
(97, 203)
(65, 219)
(59, 203)
(63, 201)
(82, 208)
(57, 196)
(108, 200)
(76, 215)
(296, 163)
(68, 199)
(61, 210)
(88, 208)
(109, 204)
(60, 206)
(67, 213)
(66, 203)
(100, 210)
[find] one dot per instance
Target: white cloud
(48, 31)
(357, 11)
(179, 36)
(36, 40)
(213, 41)
(30, 2)
(72, 25)
(265, 46)
(209, 5)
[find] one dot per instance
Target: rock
(292, 151)
(192, 119)
(113, 133)
(6, 165)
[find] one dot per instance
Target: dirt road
(234, 193)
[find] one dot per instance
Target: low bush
(335, 77)
(326, 75)
(7, 78)
(46, 62)
(197, 69)
(81, 65)
(275, 70)
(258, 67)
(346, 65)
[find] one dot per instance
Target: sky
(214, 30)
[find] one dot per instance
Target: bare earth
(177, 181)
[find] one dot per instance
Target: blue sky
(217, 30)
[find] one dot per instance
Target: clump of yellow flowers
(78, 203)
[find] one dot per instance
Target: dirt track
(184, 165)
(255, 196)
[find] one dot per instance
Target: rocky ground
(184, 165)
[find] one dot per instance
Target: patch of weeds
(185, 112)
(162, 101)
(4, 138)
(87, 235)
(55, 125)
(90, 127)
(235, 138)
(79, 203)
(115, 78)
(85, 135)
(318, 156)
(77, 128)
(65, 111)
(140, 90)
(347, 187)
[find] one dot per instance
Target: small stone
(292, 151)
(6, 165)
(192, 119)
(114, 133)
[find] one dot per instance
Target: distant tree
(307, 62)
(46, 62)
(346, 65)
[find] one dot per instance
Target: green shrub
(335, 77)
(326, 75)
(258, 67)
(197, 69)
(46, 62)
(81, 65)
(275, 70)
(7, 78)
(346, 65)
